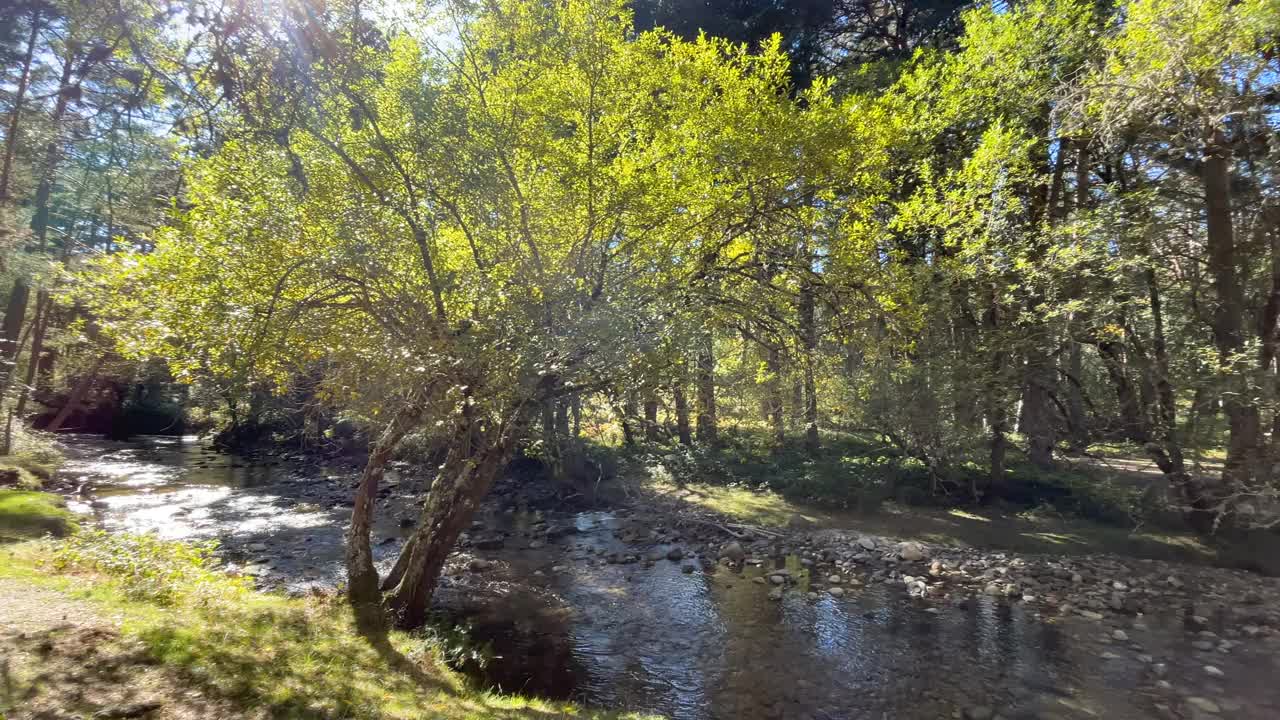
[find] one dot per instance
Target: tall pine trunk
(708, 431)
(11, 332)
(773, 395)
(809, 338)
(682, 413)
(15, 113)
(1242, 414)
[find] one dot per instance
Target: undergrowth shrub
(149, 568)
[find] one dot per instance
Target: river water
(671, 638)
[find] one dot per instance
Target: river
(684, 640)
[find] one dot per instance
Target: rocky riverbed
(647, 607)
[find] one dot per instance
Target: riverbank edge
(264, 653)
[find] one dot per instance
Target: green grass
(29, 514)
(27, 470)
(288, 657)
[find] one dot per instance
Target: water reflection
(700, 645)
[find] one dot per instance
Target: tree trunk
(11, 333)
(682, 413)
(773, 395)
(474, 460)
(997, 415)
(40, 324)
(809, 336)
(575, 408)
(651, 418)
(1037, 416)
(552, 443)
(629, 412)
(77, 396)
(40, 221)
(1132, 419)
(362, 574)
(708, 430)
(1077, 420)
(15, 115)
(1242, 414)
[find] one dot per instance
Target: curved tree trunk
(362, 575)
(477, 455)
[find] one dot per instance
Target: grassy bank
(26, 514)
(265, 655)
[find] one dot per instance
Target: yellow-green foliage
(291, 658)
(149, 568)
(29, 514)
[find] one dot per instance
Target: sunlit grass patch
(29, 514)
(755, 507)
(287, 657)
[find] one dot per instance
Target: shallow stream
(678, 638)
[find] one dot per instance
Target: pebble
(1213, 671)
(836, 591)
(1204, 704)
(1120, 635)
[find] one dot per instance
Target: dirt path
(61, 659)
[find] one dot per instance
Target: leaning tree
(462, 225)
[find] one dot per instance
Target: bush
(149, 568)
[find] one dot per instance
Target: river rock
(775, 594)
(1204, 705)
(835, 592)
(675, 554)
(867, 542)
(911, 551)
(734, 551)
(1212, 671)
(256, 547)
(778, 579)
(834, 579)
(1120, 635)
